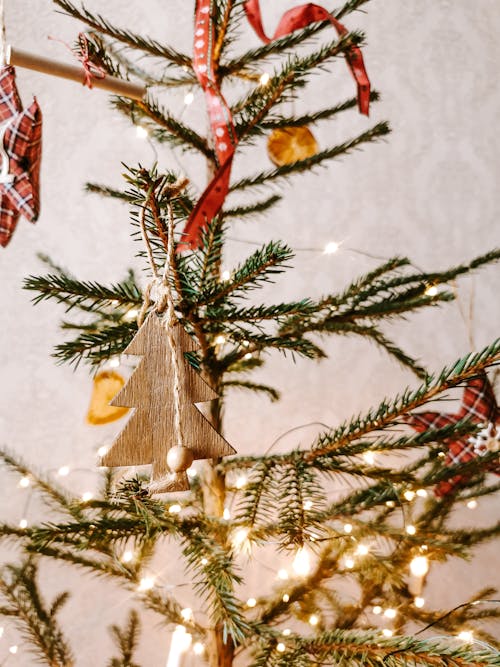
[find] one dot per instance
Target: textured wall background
(430, 192)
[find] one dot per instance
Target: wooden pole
(38, 63)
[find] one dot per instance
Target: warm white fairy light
(226, 514)
(283, 574)
(226, 275)
(24, 482)
(422, 493)
(198, 648)
(363, 550)
(251, 602)
(23, 523)
(348, 528)
(349, 563)
(331, 248)
(287, 632)
(220, 340)
(187, 614)
(307, 504)
(102, 451)
(13, 649)
(174, 509)
(248, 356)
(86, 496)
(313, 619)
(390, 613)
(369, 457)
(141, 132)
(241, 482)
(131, 314)
(466, 636)
(264, 78)
(419, 602)
(419, 566)
(127, 556)
(472, 504)
(377, 609)
(409, 495)
(390, 503)
(114, 362)
(410, 529)
(239, 539)
(191, 472)
(286, 597)
(188, 99)
(387, 633)
(432, 290)
(63, 471)
(281, 647)
(204, 561)
(146, 584)
(302, 562)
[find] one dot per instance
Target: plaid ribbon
(479, 405)
(22, 145)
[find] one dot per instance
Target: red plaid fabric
(22, 143)
(480, 406)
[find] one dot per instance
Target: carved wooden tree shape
(150, 431)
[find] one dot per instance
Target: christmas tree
(364, 508)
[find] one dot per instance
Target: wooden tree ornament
(151, 435)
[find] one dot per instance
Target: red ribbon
(221, 125)
(302, 16)
(90, 70)
(219, 113)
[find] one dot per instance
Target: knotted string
(90, 69)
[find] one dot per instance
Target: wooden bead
(179, 458)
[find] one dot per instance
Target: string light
(409, 495)
(240, 540)
(204, 561)
(220, 340)
(411, 530)
(24, 482)
(307, 505)
(390, 613)
(63, 471)
(369, 458)
(363, 550)
(114, 362)
(302, 562)
(226, 275)
(281, 647)
(264, 78)
(174, 509)
(23, 523)
(13, 649)
(131, 314)
(466, 636)
(226, 514)
(188, 99)
(285, 597)
(191, 472)
(313, 619)
(432, 290)
(419, 602)
(283, 574)
(287, 632)
(422, 493)
(187, 614)
(331, 248)
(141, 132)
(390, 503)
(377, 610)
(102, 451)
(241, 482)
(251, 602)
(387, 633)
(198, 648)
(127, 557)
(86, 496)
(349, 563)
(248, 356)
(146, 584)
(472, 504)
(419, 566)
(348, 528)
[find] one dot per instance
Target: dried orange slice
(106, 385)
(286, 145)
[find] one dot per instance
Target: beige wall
(429, 192)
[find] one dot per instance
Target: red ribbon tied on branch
(219, 113)
(90, 70)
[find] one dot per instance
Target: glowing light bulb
(419, 602)
(411, 530)
(369, 458)
(390, 503)
(363, 550)
(174, 509)
(13, 649)
(251, 602)
(313, 619)
(422, 493)
(348, 528)
(285, 597)
(377, 610)
(281, 647)
(390, 613)
(131, 314)
(146, 584)
(302, 562)
(287, 632)
(349, 563)
(226, 514)
(264, 78)
(198, 648)
(466, 636)
(141, 132)
(187, 614)
(248, 356)
(220, 340)
(240, 540)
(23, 523)
(63, 471)
(127, 557)
(283, 574)
(24, 482)
(331, 248)
(409, 495)
(102, 450)
(191, 472)
(387, 633)
(432, 290)
(419, 566)
(204, 561)
(188, 99)
(241, 482)
(86, 496)
(307, 505)
(226, 275)
(114, 362)
(472, 504)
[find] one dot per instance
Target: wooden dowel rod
(74, 73)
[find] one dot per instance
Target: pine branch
(126, 641)
(96, 346)
(272, 393)
(251, 209)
